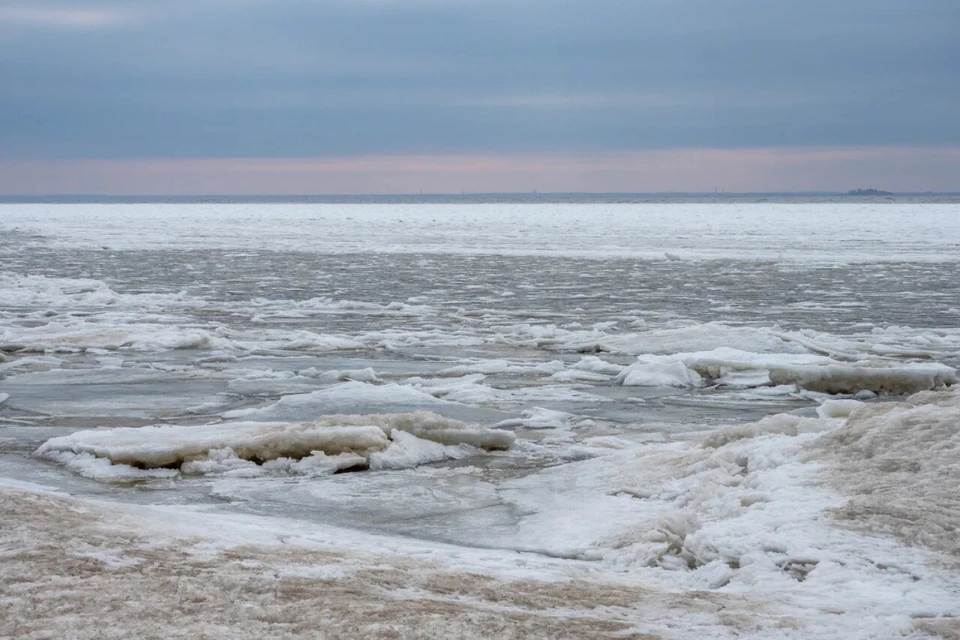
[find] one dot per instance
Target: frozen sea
(656, 420)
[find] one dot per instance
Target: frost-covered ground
(676, 421)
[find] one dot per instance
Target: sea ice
(661, 372)
(361, 397)
(407, 450)
(735, 368)
(79, 335)
(876, 376)
(217, 446)
(539, 418)
(899, 463)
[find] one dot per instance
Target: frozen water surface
(667, 399)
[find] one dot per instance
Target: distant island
(868, 192)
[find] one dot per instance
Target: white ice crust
(733, 367)
(800, 509)
(339, 441)
(756, 231)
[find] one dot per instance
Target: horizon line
(468, 194)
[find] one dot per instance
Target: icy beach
(674, 421)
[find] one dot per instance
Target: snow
(349, 440)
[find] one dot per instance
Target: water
(527, 317)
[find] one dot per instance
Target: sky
(443, 96)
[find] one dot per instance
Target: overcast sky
(347, 96)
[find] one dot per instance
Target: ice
(228, 445)
(837, 408)
(359, 375)
(747, 510)
(660, 373)
(112, 560)
(574, 376)
(594, 364)
(701, 337)
(440, 387)
(504, 366)
(407, 450)
(743, 231)
(171, 446)
(59, 294)
(722, 365)
(103, 469)
(733, 367)
(312, 338)
(777, 424)
(879, 377)
(59, 337)
(307, 341)
(899, 463)
(225, 462)
(352, 397)
(540, 418)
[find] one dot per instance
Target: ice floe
(732, 367)
(334, 442)
(76, 336)
(876, 376)
(362, 397)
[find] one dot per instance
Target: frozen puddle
(333, 443)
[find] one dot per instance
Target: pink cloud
(756, 169)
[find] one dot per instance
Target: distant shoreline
(496, 198)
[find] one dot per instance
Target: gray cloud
(285, 78)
